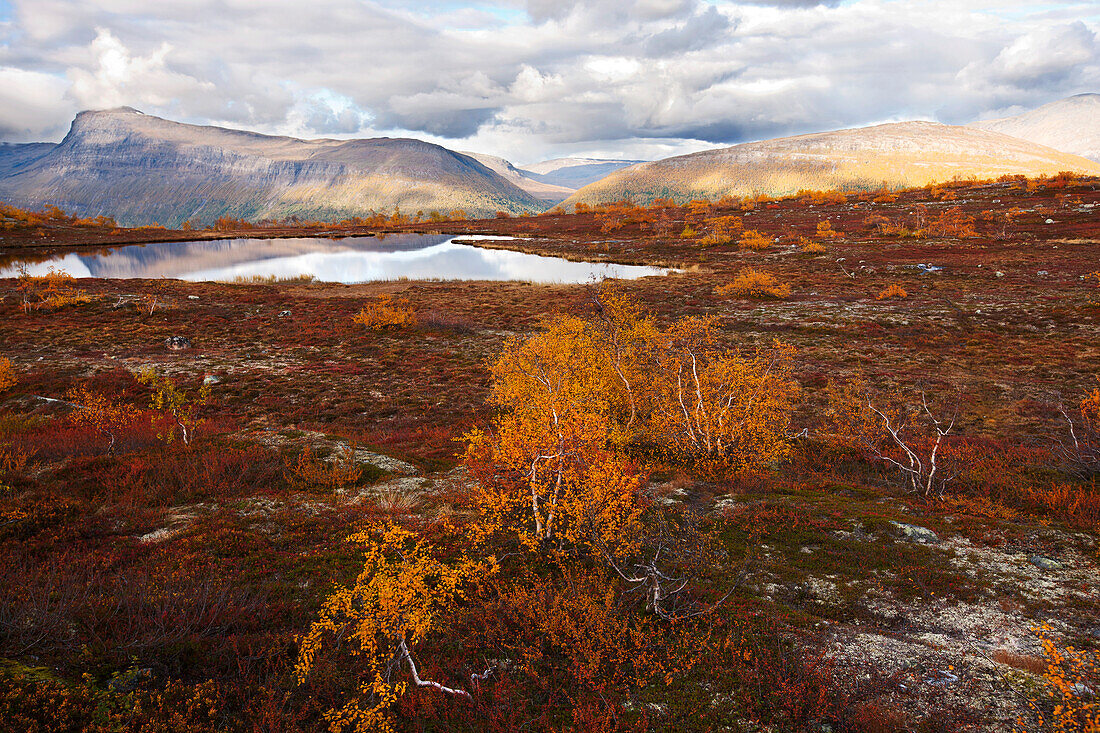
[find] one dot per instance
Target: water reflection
(349, 260)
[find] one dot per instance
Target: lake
(347, 260)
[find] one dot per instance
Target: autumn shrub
(721, 230)
(13, 461)
(1071, 678)
(717, 407)
(822, 198)
(1094, 297)
(1075, 504)
(697, 209)
(403, 595)
(210, 472)
(619, 214)
(908, 433)
(754, 240)
(385, 311)
(69, 436)
(543, 470)
(313, 473)
(579, 631)
(8, 377)
(177, 409)
(893, 291)
(811, 247)
(1080, 449)
(55, 289)
(825, 230)
(576, 401)
(952, 223)
(106, 415)
(111, 608)
(751, 283)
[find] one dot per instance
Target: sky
(537, 79)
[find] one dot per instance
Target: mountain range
(896, 155)
(1071, 125)
(139, 168)
(142, 169)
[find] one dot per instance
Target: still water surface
(348, 260)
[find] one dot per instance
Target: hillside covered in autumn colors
(835, 471)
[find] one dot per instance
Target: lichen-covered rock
(1044, 563)
(913, 533)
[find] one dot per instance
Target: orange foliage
(721, 230)
(1075, 504)
(952, 223)
(229, 223)
(312, 473)
(751, 283)
(848, 420)
(12, 217)
(811, 247)
(100, 412)
(754, 240)
(892, 291)
(719, 409)
(569, 396)
(55, 289)
(1072, 675)
(619, 214)
(820, 198)
(402, 595)
(825, 230)
(698, 209)
(385, 312)
(544, 471)
(1094, 299)
(8, 377)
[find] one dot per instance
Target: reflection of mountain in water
(354, 259)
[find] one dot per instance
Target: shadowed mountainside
(1071, 125)
(140, 169)
(14, 156)
(523, 179)
(903, 154)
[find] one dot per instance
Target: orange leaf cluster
(892, 291)
(385, 311)
(55, 289)
(751, 283)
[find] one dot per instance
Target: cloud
(1046, 56)
(118, 77)
(31, 103)
(536, 78)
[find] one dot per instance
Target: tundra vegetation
(839, 472)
